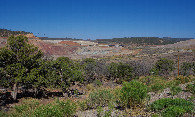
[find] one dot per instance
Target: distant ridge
(142, 40)
(188, 44)
(7, 33)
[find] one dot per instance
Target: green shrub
(120, 70)
(172, 107)
(97, 83)
(48, 111)
(166, 102)
(173, 111)
(82, 105)
(117, 94)
(32, 108)
(184, 79)
(63, 73)
(186, 68)
(133, 93)
(157, 87)
(157, 83)
(148, 80)
(68, 108)
(99, 111)
(59, 109)
(99, 98)
(93, 68)
(172, 83)
(155, 115)
(191, 88)
(193, 67)
(24, 109)
(163, 67)
(21, 108)
(175, 90)
(3, 114)
(191, 98)
(108, 113)
(90, 87)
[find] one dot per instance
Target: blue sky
(97, 19)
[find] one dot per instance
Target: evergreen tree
(17, 60)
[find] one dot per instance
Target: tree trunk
(36, 92)
(66, 93)
(14, 92)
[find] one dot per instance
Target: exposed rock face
(63, 49)
(69, 43)
(75, 50)
(54, 49)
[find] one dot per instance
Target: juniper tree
(17, 60)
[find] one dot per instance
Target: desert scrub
(100, 97)
(172, 83)
(172, 107)
(158, 87)
(186, 68)
(191, 98)
(99, 111)
(90, 87)
(58, 109)
(163, 67)
(149, 80)
(175, 90)
(158, 83)
(133, 93)
(173, 111)
(154, 83)
(68, 107)
(117, 94)
(191, 88)
(3, 114)
(106, 113)
(48, 111)
(25, 108)
(184, 79)
(97, 83)
(27, 104)
(155, 115)
(82, 105)
(123, 71)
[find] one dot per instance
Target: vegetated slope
(142, 40)
(188, 44)
(7, 33)
(186, 51)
